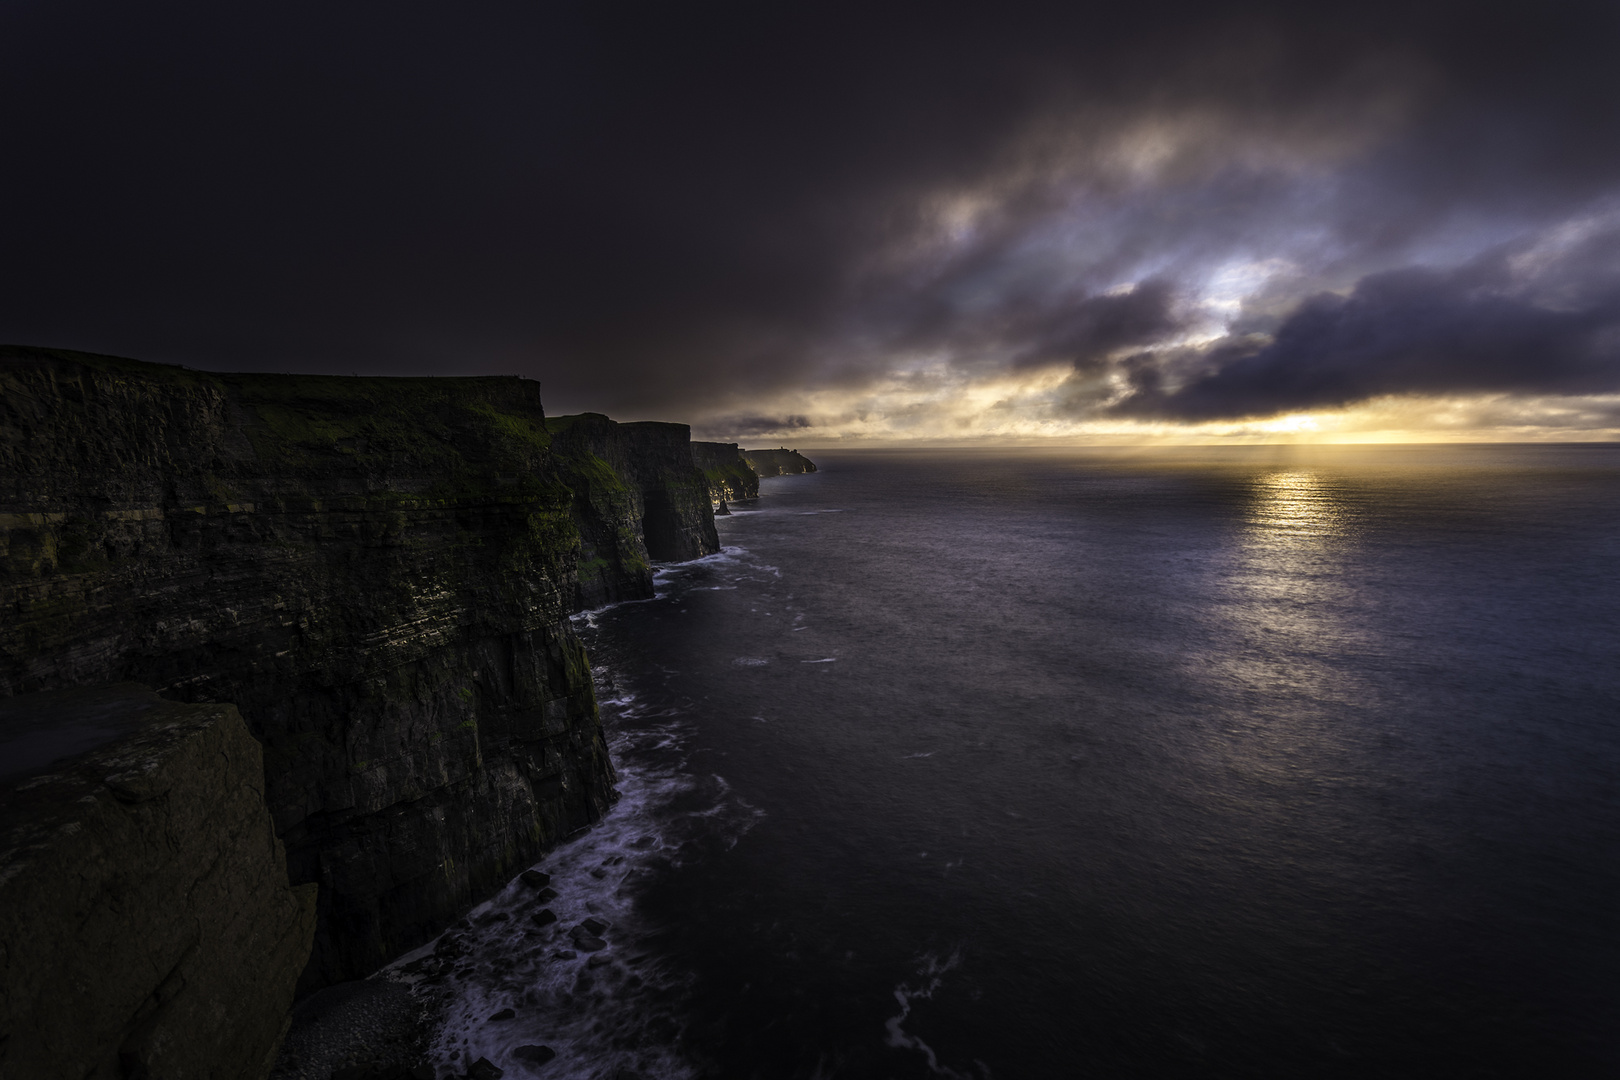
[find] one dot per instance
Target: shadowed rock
(146, 918)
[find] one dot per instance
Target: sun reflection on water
(1286, 598)
(1296, 505)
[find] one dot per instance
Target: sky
(830, 224)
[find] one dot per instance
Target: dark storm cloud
(683, 207)
(1028, 329)
(742, 427)
(1479, 328)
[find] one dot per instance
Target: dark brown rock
(147, 922)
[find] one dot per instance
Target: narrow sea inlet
(1263, 762)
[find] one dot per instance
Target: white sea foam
(626, 1012)
(934, 970)
(828, 660)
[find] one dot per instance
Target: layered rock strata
(148, 928)
(636, 496)
(729, 477)
(778, 462)
(377, 571)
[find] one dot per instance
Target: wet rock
(338, 1028)
(544, 917)
(449, 945)
(535, 879)
(546, 896)
(534, 1055)
(504, 1014)
(390, 1071)
(599, 960)
(564, 954)
(596, 926)
(599, 873)
(484, 1069)
(587, 943)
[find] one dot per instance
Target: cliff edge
(729, 477)
(377, 571)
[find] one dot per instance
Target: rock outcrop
(729, 477)
(778, 462)
(145, 914)
(637, 496)
(376, 571)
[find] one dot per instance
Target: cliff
(636, 496)
(778, 462)
(376, 571)
(144, 905)
(729, 477)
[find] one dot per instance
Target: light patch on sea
(618, 1011)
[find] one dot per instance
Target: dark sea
(1261, 762)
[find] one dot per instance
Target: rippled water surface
(1268, 762)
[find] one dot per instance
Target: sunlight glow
(934, 405)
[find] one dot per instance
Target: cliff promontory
(729, 477)
(779, 462)
(377, 572)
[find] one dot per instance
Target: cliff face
(637, 496)
(730, 477)
(144, 903)
(377, 571)
(778, 462)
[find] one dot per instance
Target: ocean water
(1271, 762)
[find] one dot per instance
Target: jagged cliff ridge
(376, 571)
(778, 462)
(144, 905)
(730, 477)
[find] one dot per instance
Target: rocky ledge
(148, 925)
